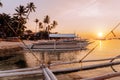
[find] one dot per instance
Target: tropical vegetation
(12, 26)
(45, 27)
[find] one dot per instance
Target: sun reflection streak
(100, 44)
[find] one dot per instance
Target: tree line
(14, 26)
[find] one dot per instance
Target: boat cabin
(62, 36)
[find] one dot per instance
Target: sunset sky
(83, 17)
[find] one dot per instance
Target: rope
(112, 31)
(22, 41)
(98, 44)
(114, 36)
(87, 54)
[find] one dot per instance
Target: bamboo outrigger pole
(112, 31)
(105, 76)
(48, 74)
(59, 71)
(95, 66)
(71, 62)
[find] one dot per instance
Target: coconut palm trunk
(1, 4)
(36, 21)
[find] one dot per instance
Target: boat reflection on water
(52, 56)
(52, 51)
(106, 49)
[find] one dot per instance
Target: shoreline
(94, 55)
(11, 48)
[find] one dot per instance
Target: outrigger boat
(60, 45)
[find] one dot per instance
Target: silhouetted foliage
(28, 31)
(15, 26)
(42, 35)
(30, 8)
(45, 27)
(7, 22)
(1, 4)
(9, 25)
(21, 11)
(36, 21)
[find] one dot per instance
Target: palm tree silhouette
(30, 8)
(21, 14)
(4, 21)
(21, 11)
(46, 22)
(40, 25)
(54, 24)
(36, 21)
(40, 29)
(1, 4)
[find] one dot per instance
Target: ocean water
(104, 49)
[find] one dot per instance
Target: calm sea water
(105, 49)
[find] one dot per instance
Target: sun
(100, 34)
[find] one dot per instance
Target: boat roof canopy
(62, 35)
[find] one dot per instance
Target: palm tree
(19, 25)
(1, 4)
(46, 21)
(49, 28)
(20, 18)
(4, 21)
(21, 11)
(36, 21)
(54, 24)
(30, 8)
(41, 29)
(40, 25)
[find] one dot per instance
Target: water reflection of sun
(100, 43)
